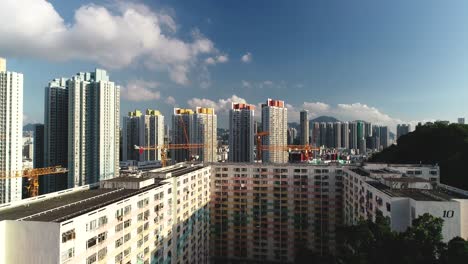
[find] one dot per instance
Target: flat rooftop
(63, 207)
(418, 194)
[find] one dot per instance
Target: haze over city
(385, 63)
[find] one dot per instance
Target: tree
(456, 253)
(374, 242)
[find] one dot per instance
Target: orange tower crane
(166, 147)
(33, 177)
(306, 149)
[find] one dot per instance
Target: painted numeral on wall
(448, 213)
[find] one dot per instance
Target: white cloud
(222, 106)
(210, 61)
(218, 59)
(246, 58)
(139, 90)
(170, 100)
(112, 37)
(246, 84)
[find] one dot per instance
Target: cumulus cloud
(246, 58)
(170, 100)
(139, 90)
(246, 84)
(112, 37)
(221, 106)
(218, 59)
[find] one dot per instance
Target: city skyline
(214, 70)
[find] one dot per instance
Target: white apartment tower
(11, 132)
(275, 122)
(142, 129)
(206, 133)
(93, 128)
(241, 132)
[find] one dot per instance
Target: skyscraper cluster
(195, 127)
(142, 129)
(357, 135)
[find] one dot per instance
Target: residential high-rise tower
(55, 134)
(241, 132)
(275, 122)
(142, 129)
(93, 128)
(11, 133)
(304, 133)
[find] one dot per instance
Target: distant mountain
(29, 127)
(294, 125)
(324, 119)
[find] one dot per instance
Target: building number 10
(448, 214)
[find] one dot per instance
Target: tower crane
(306, 149)
(33, 177)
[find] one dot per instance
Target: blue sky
(387, 62)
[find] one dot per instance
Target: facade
(93, 128)
(384, 136)
(337, 135)
(353, 135)
(55, 149)
(315, 130)
(11, 132)
(390, 191)
(267, 212)
(241, 132)
(38, 160)
(275, 122)
(292, 135)
(183, 123)
(160, 218)
(142, 129)
(304, 122)
(461, 120)
(345, 135)
(403, 129)
(206, 126)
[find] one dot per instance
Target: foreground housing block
(160, 218)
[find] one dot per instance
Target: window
(127, 251)
(127, 237)
(127, 209)
(91, 225)
(118, 242)
(91, 259)
(102, 237)
(389, 208)
(69, 235)
(102, 253)
(102, 220)
(118, 257)
(127, 223)
(91, 242)
(119, 227)
(68, 254)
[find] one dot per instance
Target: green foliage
(373, 242)
(433, 143)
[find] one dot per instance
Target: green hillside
(434, 143)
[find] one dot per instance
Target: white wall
(29, 242)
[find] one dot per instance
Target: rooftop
(61, 207)
(418, 194)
